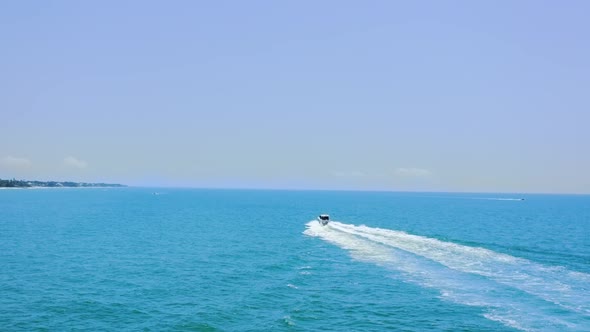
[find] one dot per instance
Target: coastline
(19, 184)
(39, 187)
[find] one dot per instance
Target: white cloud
(349, 174)
(75, 162)
(412, 172)
(15, 162)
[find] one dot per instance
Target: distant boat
(323, 219)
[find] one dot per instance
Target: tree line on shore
(52, 184)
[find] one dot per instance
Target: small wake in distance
(498, 199)
(513, 291)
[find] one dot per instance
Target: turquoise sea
(139, 259)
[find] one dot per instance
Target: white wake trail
(552, 284)
(498, 199)
(453, 269)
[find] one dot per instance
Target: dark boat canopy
(324, 217)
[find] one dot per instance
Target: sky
(478, 96)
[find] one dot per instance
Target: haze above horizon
(338, 95)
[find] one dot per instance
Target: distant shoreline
(36, 188)
(25, 184)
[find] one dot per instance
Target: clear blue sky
(384, 95)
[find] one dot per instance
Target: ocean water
(137, 259)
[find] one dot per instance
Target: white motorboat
(323, 219)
